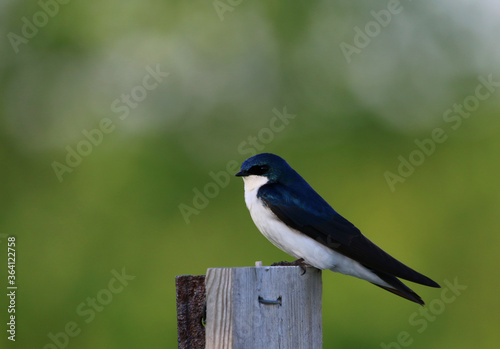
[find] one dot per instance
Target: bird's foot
(298, 263)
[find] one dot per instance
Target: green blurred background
(229, 66)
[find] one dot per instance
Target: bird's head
(264, 168)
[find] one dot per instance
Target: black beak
(242, 173)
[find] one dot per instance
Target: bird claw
(298, 263)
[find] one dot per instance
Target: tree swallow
(290, 214)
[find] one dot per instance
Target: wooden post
(264, 307)
(190, 311)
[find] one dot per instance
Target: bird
(297, 220)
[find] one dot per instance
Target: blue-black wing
(308, 213)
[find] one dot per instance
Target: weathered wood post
(263, 307)
(190, 311)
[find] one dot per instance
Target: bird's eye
(259, 169)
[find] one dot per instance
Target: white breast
(296, 243)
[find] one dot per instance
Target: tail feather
(412, 296)
(398, 287)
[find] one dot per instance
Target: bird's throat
(254, 182)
